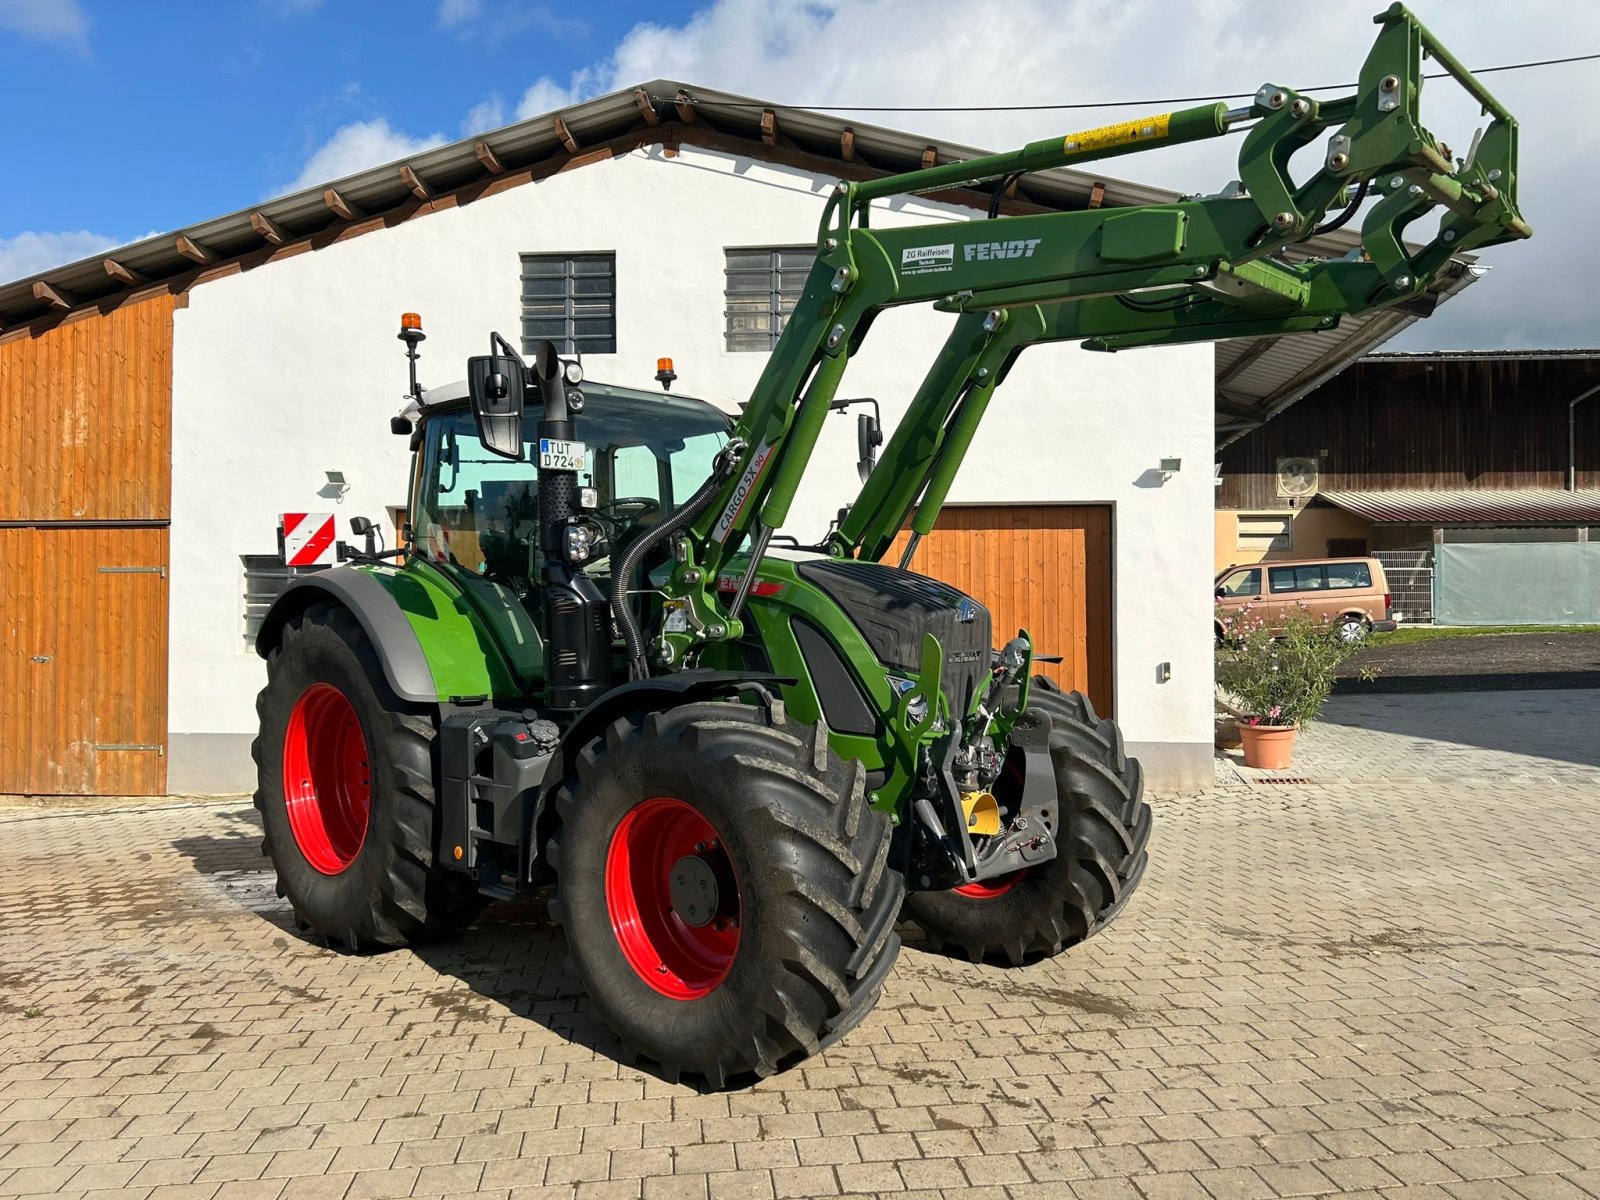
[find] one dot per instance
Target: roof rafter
(565, 134)
(419, 189)
(341, 207)
(193, 250)
(647, 107)
(55, 297)
(486, 156)
(123, 274)
(269, 229)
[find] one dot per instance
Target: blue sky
(128, 117)
(154, 114)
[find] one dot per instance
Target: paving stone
(1320, 989)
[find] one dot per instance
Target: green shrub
(1280, 673)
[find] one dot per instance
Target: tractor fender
(393, 639)
(663, 691)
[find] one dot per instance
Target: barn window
(763, 287)
(1265, 533)
(570, 299)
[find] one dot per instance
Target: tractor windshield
(645, 455)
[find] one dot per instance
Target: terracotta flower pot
(1270, 747)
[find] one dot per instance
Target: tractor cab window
(646, 454)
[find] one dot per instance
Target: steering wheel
(626, 509)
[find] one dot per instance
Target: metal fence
(1410, 575)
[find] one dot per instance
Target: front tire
(344, 772)
(1100, 851)
(724, 888)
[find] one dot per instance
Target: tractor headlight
(917, 710)
(580, 543)
(573, 372)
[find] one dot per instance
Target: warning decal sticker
(1125, 133)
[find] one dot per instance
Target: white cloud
(491, 114)
(30, 253)
(355, 147)
(549, 96)
(993, 52)
(59, 21)
(455, 13)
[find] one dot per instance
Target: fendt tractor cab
(595, 662)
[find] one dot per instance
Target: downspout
(1572, 437)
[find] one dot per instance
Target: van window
(1241, 583)
(1296, 579)
(1349, 575)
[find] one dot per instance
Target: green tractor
(595, 663)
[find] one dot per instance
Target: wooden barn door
(1043, 568)
(85, 450)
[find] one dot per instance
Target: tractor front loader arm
(1200, 269)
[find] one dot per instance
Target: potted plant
(1278, 675)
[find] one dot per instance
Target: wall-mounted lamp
(1170, 467)
(337, 484)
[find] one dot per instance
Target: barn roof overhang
(1465, 506)
(1257, 378)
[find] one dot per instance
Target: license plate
(556, 455)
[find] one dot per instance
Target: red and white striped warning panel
(308, 540)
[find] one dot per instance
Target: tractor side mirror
(497, 383)
(364, 528)
(868, 438)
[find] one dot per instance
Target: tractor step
(492, 766)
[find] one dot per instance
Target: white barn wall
(293, 369)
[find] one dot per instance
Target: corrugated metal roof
(1480, 355)
(1258, 378)
(1462, 506)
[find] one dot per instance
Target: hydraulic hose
(622, 573)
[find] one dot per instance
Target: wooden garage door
(83, 661)
(1043, 568)
(85, 453)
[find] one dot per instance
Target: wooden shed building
(1475, 476)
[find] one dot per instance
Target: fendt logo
(991, 251)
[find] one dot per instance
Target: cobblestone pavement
(1522, 736)
(1354, 990)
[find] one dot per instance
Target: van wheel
(1352, 628)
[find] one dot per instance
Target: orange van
(1351, 593)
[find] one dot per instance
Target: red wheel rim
(988, 889)
(656, 845)
(327, 778)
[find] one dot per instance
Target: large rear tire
(724, 888)
(344, 772)
(1100, 851)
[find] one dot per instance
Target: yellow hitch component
(983, 813)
